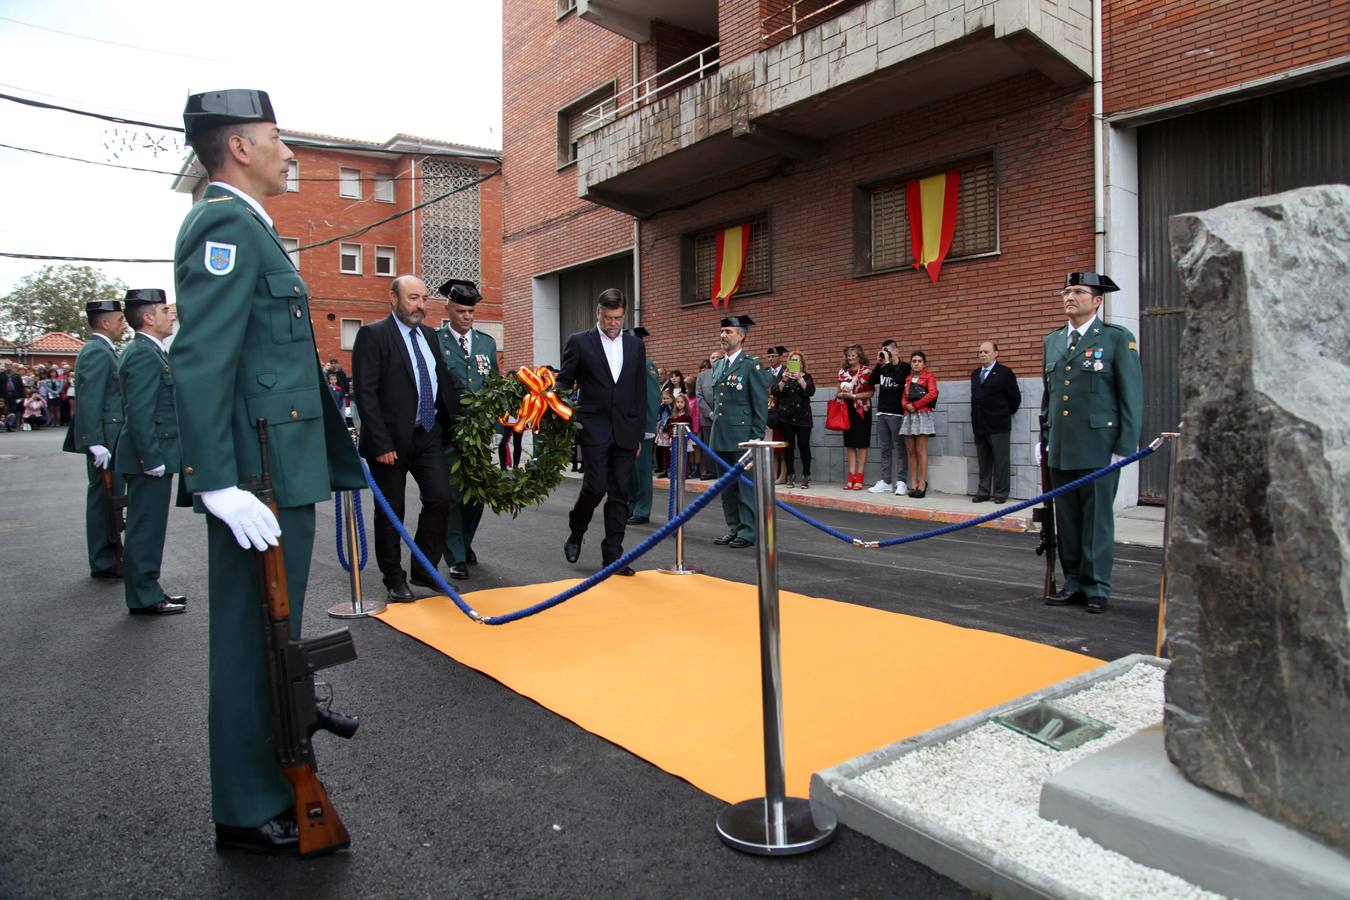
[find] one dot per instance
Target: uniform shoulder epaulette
(217, 199)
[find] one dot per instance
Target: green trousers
(463, 520)
(1085, 527)
(102, 555)
(738, 501)
(640, 494)
(247, 785)
(143, 551)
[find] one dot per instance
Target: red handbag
(836, 415)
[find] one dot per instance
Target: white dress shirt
(257, 207)
(1082, 332)
(422, 348)
(465, 340)
(613, 352)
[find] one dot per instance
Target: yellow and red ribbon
(539, 400)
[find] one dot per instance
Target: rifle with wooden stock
(296, 715)
(116, 518)
(1045, 515)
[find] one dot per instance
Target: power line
(342, 237)
(85, 37)
(81, 112)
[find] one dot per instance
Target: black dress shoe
(424, 583)
(459, 570)
(626, 570)
(638, 520)
(1000, 499)
(1097, 604)
(275, 837)
(176, 598)
(981, 498)
(724, 539)
(162, 608)
(400, 593)
(470, 557)
(740, 542)
(106, 573)
(572, 548)
(1065, 598)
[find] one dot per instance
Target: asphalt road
(455, 786)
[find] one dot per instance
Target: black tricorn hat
(142, 296)
(737, 322)
(780, 350)
(215, 108)
(100, 306)
(1092, 280)
(457, 290)
(639, 331)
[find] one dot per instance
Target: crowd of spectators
(36, 397)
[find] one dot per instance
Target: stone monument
(1258, 605)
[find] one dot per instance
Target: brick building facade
(806, 130)
(333, 214)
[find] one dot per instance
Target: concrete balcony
(869, 63)
(633, 18)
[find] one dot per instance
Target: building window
(887, 242)
(349, 259)
(293, 251)
(384, 188)
(385, 260)
(581, 117)
(699, 258)
(349, 329)
(293, 175)
(349, 183)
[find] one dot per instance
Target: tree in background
(53, 299)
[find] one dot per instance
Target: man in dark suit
(609, 366)
(407, 402)
(994, 397)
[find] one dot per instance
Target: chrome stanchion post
(775, 824)
(680, 447)
(1174, 452)
(355, 609)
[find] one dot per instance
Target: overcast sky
(424, 68)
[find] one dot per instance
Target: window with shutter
(976, 231)
(702, 246)
(581, 117)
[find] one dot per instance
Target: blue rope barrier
(955, 526)
(655, 538)
(360, 530)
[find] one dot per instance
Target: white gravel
(986, 786)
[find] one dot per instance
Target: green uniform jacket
(150, 434)
(98, 401)
(1094, 396)
(653, 396)
(468, 373)
(244, 351)
(740, 402)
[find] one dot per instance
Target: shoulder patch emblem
(1133, 345)
(220, 258)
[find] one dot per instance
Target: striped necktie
(426, 405)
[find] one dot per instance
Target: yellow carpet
(668, 668)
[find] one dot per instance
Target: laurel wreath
(475, 471)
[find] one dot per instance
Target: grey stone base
(1131, 799)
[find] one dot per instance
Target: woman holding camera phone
(793, 391)
(920, 396)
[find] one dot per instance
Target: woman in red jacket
(917, 400)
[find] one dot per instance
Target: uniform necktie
(464, 345)
(426, 406)
(1073, 339)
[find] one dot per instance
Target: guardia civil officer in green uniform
(469, 356)
(640, 507)
(245, 350)
(1091, 414)
(741, 405)
(147, 451)
(97, 424)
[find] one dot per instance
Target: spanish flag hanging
(733, 245)
(931, 203)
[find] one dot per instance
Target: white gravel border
(985, 785)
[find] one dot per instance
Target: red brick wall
(1163, 50)
(669, 45)
(738, 27)
(547, 64)
(817, 305)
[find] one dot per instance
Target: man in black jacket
(609, 365)
(407, 403)
(994, 397)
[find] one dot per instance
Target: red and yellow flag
(733, 245)
(931, 203)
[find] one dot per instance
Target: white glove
(156, 472)
(248, 517)
(102, 455)
(1115, 458)
(1038, 453)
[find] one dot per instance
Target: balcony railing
(650, 88)
(795, 16)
